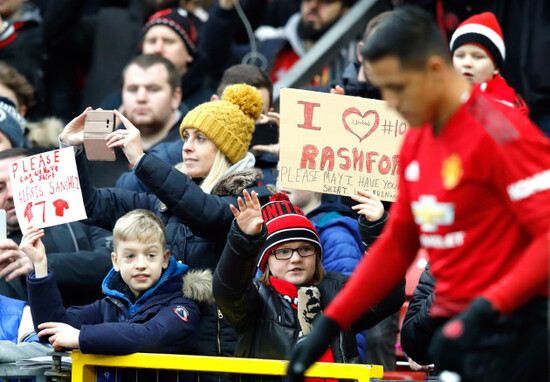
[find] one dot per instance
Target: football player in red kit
(474, 192)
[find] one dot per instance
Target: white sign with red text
(46, 189)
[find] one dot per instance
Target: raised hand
(128, 139)
(73, 133)
(61, 335)
(33, 247)
(369, 205)
(271, 116)
(249, 215)
(337, 90)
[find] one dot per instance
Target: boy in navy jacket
(144, 310)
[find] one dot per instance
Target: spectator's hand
(270, 117)
(311, 347)
(459, 334)
(61, 335)
(417, 367)
(129, 140)
(73, 133)
(13, 262)
(33, 247)
(369, 205)
(337, 90)
(272, 148)
(249, 215)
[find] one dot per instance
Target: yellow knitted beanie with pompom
(228, 122)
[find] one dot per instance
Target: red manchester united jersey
(477, 198)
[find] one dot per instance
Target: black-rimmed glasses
(286, 253)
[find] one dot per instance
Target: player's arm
(523, 179)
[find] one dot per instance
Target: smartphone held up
(98, 124)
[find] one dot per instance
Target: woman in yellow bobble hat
(217, 134)
(192, 203)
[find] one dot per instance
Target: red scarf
(290, 294)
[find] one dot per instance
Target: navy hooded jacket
(162, 320)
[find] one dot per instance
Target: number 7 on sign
(43, 209)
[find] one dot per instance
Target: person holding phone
(151, 100)
(238, 74)
(193, 203)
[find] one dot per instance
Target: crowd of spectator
(190, 244)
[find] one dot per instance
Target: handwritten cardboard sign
(336, 144)
(46, 189)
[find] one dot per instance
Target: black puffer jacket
(418, 327)
(266, 323)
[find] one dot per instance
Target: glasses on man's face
(286, 253)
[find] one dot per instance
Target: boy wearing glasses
(273, 312)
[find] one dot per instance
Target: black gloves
(457, 336)
(311, 347)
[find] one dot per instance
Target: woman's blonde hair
(318, 275)
(219, 167)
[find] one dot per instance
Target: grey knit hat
(12, 124)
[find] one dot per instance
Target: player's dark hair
(408, 33)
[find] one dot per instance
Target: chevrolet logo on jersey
(430, 214)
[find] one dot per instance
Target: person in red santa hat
(478, 52)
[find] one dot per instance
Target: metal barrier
(83, 369)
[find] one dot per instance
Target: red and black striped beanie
(285, 222)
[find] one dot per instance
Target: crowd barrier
(84, 366)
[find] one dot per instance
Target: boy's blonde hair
(139, 225)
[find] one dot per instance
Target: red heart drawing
(359, 126)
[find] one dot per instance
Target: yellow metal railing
(83, 368)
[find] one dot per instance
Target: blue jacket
(340, 238)
(11, 311)
(162, 320)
